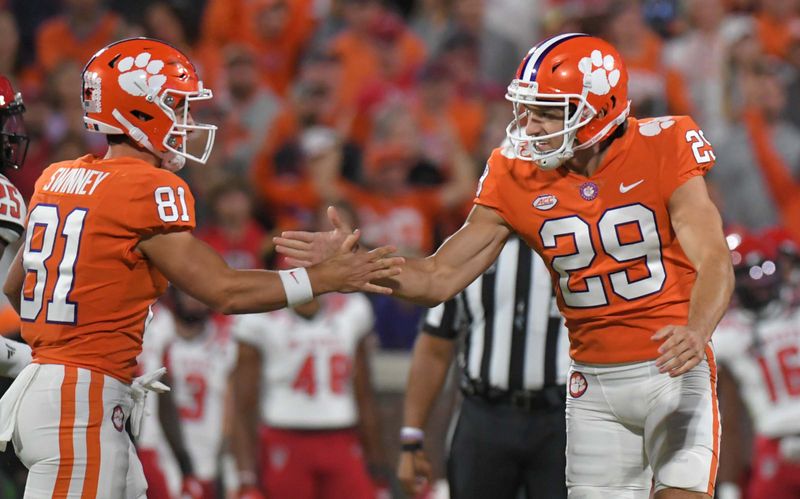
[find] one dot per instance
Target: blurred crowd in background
(393, 106)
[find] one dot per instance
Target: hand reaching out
(303, 249)
(348, 271)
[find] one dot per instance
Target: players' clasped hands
(338, 250)
(349, 269)
(303, 249)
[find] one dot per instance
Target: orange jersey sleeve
(87, 290)
(684, 153)
(618, 269)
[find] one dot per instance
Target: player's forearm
(245, 394)
(247, 291)
(170, 423)
(245, 444)
(421, 282)
(710, 294)
(460, 259)
(370, 430)
(253, 291)
(429, 365)
(368, 419)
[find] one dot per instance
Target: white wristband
(411, 434)
(297, 286)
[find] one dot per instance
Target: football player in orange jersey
(14, 356)
(104, 237)
(618, 209)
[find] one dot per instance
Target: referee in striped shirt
(511, 432)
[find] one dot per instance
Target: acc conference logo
(544, 202)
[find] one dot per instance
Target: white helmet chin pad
(172, 162)
(554, 161)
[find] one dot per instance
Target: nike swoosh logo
(625, 188)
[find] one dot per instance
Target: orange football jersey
(87, 291)
(618, 269)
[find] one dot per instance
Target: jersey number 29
(647, 249)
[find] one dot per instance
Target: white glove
(139, 388)
(14, 356)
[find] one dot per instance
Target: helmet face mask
(184, 135)
(580, 74)
(144, 88)
(13, 137)
(527, 147)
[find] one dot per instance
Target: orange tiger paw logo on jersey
(141, 76)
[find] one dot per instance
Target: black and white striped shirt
(515, 337)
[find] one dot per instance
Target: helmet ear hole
(142, 116)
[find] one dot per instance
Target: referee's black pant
(502, 452)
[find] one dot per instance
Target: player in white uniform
(758, 344)
(160, 466)
(199, 354)
(314, 391)
(199, 361)
(13, 147)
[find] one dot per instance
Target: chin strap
(169, 161)
(134, 132)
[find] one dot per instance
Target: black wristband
(411, 446)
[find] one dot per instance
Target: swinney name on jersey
(87, 291)
(75, 181)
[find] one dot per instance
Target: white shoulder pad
(12, 211)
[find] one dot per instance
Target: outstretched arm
(703, 242)
(427, 281)
(195, 268)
